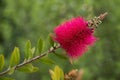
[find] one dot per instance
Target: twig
(52, 49)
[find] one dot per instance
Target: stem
(52, 49)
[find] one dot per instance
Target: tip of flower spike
(93, 23)
(102, 16)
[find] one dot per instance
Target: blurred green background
(22, 20)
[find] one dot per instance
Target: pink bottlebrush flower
(74, 36)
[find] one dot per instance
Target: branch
(52, 49)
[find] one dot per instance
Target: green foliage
(28, 50)
(5, 78)
(28, 68)
(15, 57)
(61, 56)
(46, 60)
(51, 42)
(57, 73)
(11, 70)
(2, 62)
(40, 46)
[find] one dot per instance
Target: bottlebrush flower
(75, 35)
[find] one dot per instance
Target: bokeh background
(22, 20)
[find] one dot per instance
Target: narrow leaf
(52, 74)
(40, 45)
(61, 56)
(35, 69)
(11, 70)
(57, 73)
(61, 74)
(51, 40)
(15, 57)
(33, 51)
(46, 60)
(28, 53)
(29, 68)
(2, 62)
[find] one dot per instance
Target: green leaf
(2, 62)
(28, 68)
(61, 74)
(61, 56)
(40, 45)
(5, 78)
(46, 60)
(15, 57)
(28, 53)
(57, 73)
(33, 51)
(52, 73)
(51, 40)
(11, 70)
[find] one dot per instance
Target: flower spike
(75, 35)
